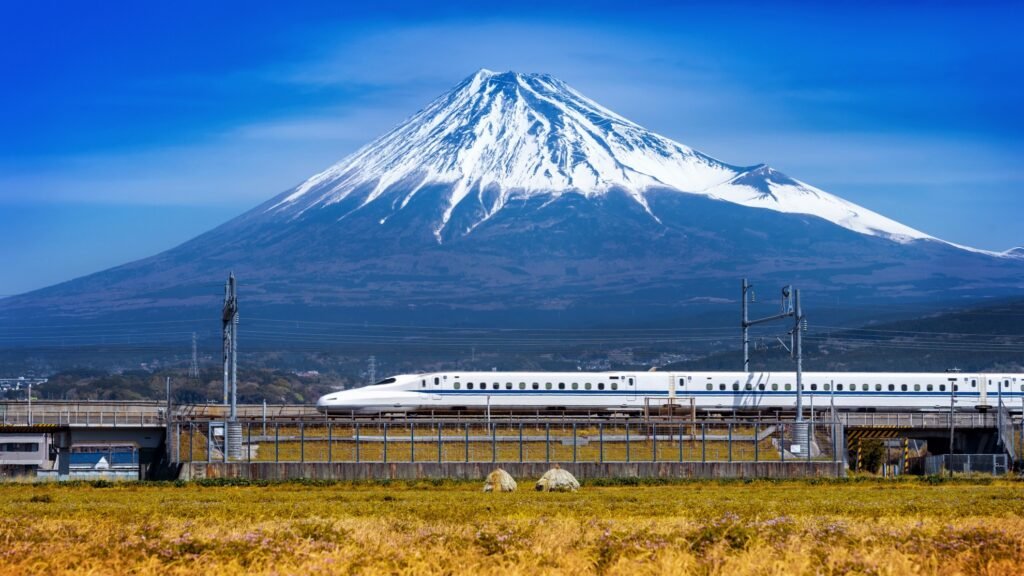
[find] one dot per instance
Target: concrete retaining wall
(524, 470)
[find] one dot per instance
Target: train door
(630, 385)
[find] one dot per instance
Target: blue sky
(129, 127)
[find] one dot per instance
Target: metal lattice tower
(371, 369)
(229, 323)
(193, 369)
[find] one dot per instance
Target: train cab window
(615, 385)
(547, 385)
(457, 386)
(508, 385)
(587, 386)
(788, 386)
(710, 386)
(942, 387)
(775, 386)
(878, 387)
(903, 387)
(600, 385)
(561, 385)
(536, 386)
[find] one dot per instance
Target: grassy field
(853, 527)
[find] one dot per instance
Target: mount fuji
(513, 196)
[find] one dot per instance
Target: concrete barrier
(349, 471)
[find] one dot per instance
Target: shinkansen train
(627, 391)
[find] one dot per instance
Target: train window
(547, 385)
(942, 387)
(760, 386)
(575, 386)
(775, 386)
(929, 387)
(522, 385)
(469, 385)
(1006, 384)
(630, 381)
(587, 385)
(495, 386)
(788, 386)
(457, 386)
(600, 385)
(508, 385)
(748, 386)
(814, 386)
(423, 383)
(536, 386)
(735, 386)
(1022, 387)
(892, 387)
(903, 387)
(974, 383)
(878, 387)
(828, 386)
(615, 385)
(917, 387)
(561, 385)
(839, 387)
(682, 382)
(710, 386)
(956, 387)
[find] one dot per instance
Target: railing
(527, 440)
(918, 419)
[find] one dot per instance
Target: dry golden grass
(869, 527)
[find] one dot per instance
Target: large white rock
(557, 480)
(500, 481)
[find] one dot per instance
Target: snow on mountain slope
(765, 187)
(528, 134)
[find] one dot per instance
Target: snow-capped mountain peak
(499, 136)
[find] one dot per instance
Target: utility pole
(790, 309)
(229, 325)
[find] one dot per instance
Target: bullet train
(633, 391)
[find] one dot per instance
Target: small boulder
(499, 481)
(557, 480)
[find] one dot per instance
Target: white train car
(625, 391)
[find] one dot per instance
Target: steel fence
(996, 464)
(524, 441)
